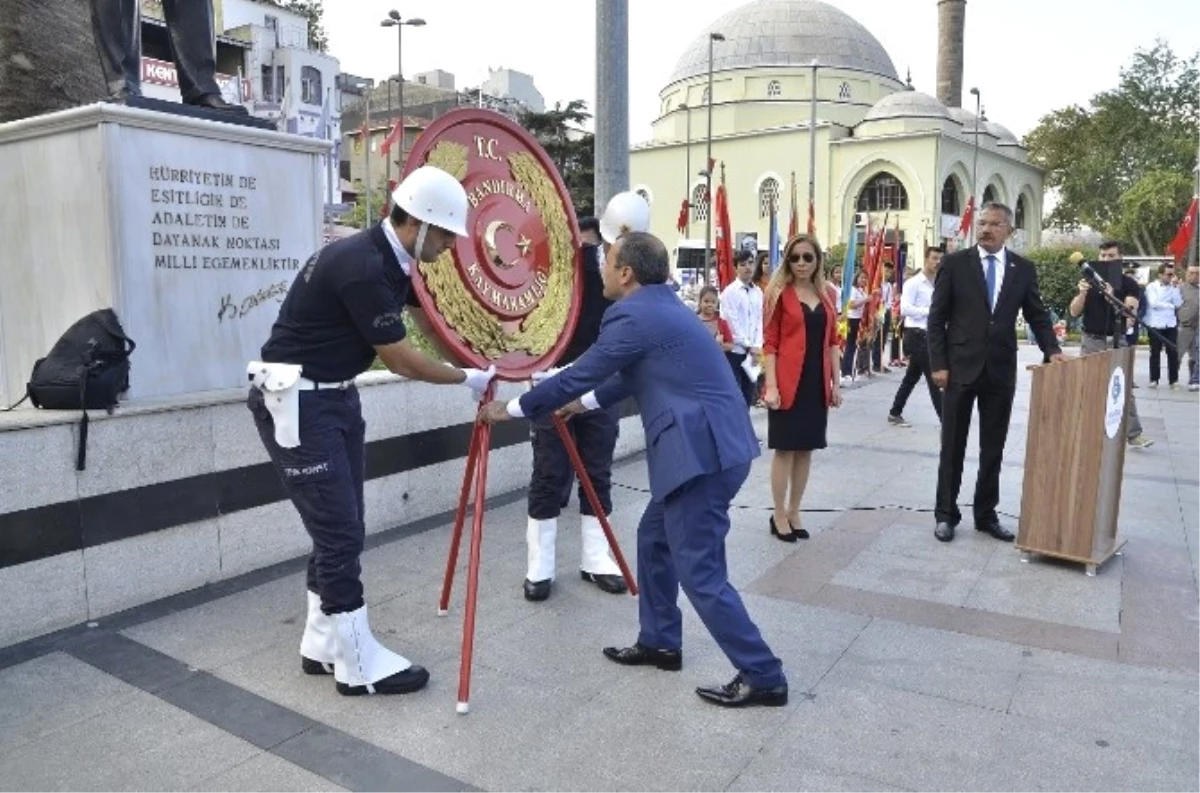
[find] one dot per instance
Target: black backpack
(86, 369)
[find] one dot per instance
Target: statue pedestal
(192, 230)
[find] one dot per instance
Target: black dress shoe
(217, 102)
(311, 667)
(789, 537)
(740, 694)
(996, 530)
(640, 655)
(944, 532)
(412, 679)
(612, 584)
(536, 590)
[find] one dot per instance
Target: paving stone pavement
(913, 665)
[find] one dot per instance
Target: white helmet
(434, 197)
(625, 212)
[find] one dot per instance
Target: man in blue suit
(699, 446)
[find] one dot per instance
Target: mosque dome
(1002, 133)
(786, 33)
(907, 104)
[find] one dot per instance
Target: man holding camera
(1104, 329)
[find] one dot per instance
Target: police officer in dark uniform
(594, 432)
(342, 311)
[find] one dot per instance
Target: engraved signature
(232, 309)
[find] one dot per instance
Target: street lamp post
(394, 21)
(812, 141)
(687, 171)
(1195, 232)
(712, 39)
(975, 163)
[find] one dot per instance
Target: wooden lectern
(1074, 458)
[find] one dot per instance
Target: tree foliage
(573, 154)
(1123, 165)
(314, 10)
(1058, 279)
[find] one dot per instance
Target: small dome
(1002, 133)
(907, 104)
(967, 119)
(786, 33)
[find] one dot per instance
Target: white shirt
(1161, 302)
(1001, 262)
(405, 258)
(742, 308)
(915, 298)
(857, 296)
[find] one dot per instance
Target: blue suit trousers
(681, 544)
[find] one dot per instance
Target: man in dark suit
(699, 446)
(973, 355)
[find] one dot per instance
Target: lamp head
(716, 36)
(394, 14)
(388, 23)
(415, 22)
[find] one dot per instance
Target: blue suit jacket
(653, 348)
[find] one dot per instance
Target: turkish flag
(724, 241)
(392, 138)
(682, 223)
(968, 217)
(1183, 237)
(812, 219)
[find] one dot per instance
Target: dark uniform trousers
(995, 409)
(681, 544)
(748, 387)
(323, 477)
(595, 435)
(916, 344)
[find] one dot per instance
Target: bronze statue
(117, 28)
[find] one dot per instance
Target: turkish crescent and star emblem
(507, 293)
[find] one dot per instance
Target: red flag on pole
(794, 217)
(964, 227)
(682, 223)
(812, 219)
(392, 138)
(724, 240)
(1183, 237)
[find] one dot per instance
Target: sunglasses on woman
(807, 257)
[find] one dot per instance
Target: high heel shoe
(800, 534)
(791, 537)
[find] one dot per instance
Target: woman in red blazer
(801, 362)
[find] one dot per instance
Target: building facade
(881, 147)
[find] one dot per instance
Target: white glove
(538, 377)
(478, 379)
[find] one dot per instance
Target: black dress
(801, 427)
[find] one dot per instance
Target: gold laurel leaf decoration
(543, 327)
(451, 157)
(477, 326)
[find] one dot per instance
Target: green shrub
(1058, 279)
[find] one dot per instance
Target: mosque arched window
(768, 196)
(950, 205)
(774, 89)
(699, 203)
(989, 195)
(1020, 213)
(884, 191)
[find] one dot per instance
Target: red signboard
(158, 72)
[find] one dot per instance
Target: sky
(1027, 57)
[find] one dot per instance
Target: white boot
(540, 536)
(595, 558)
(364, 666)
(317, 647)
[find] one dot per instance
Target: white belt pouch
(279, 384)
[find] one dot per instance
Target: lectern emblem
(507, 293)
(1114, 410)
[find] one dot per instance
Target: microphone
(1093, 276)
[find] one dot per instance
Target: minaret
(951, 22)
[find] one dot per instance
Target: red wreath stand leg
(476, 475)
